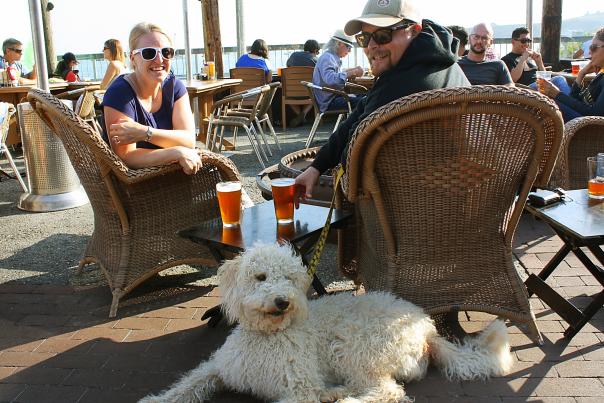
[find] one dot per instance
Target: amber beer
(595, 179)
(229, 200)
(283, 198)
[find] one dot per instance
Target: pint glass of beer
(283, 198)
(229, 200)
(595, 178)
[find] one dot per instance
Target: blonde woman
(112, 51)
(147, 113)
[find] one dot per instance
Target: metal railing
(92, 66)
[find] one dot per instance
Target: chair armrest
(356, 88)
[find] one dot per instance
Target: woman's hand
(547, 88)
(126, 131)
(189, 159)
(304, 184)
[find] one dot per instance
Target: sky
(81, 26)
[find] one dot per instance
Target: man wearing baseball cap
(407, 54)
(328, 72)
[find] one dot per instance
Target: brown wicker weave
(583, 137)
(137, 212)
(433, 177)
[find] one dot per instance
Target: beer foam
(228, 186)
(282, 182)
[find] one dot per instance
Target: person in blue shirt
(12, 50)
(147, 112)
(258, 58)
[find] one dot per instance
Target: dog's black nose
(281, 303)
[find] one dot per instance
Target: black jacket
(428, 63)
(586, 101)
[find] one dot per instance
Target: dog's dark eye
(261, 277)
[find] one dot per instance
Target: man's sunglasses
(19, 51)
(593, 47)
(151, 53)
(381, 36)
(524, 41)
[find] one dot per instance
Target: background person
(307, 57)
(406, 55)
(66, 68)
(475, 64)
(258, 58)
(113, 51)
(523, 62)
(583, 100)
(462, 36)
(329, 73)
(583, 51)
(147, 112)
(12, 51)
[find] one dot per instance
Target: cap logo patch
(383, 3)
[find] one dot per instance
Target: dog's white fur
(339, 346)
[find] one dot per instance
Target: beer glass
(574, 68)
(211, 71)
(544, 75)
(283, 198)
(595, 178)
(229, 200)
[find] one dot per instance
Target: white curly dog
(354, 348)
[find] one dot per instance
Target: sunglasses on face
(381, 36)
(524, 41)
(151, 53)
(593, 47)
(19, 51)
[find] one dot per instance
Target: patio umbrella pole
(185, 16)
(35, 16)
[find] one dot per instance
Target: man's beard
(479, 52)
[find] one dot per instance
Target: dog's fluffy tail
(487, 354)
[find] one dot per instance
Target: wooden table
(579, 222)
(204, 92)
(365, 81)
(16, 95)
(570, 78)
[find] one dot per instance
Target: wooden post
(51, 58)
(211, 34)
(551, 25)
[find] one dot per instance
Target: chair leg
(252, 129)
(338, 122)
(270, 126)
(4, 150)
(283, 113)
(117, 294)
(315, 125)
(263, 135)
(254, 147)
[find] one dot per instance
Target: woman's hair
(116, 52)
(599, 35)
(260, 48)
(331, 46)
(143, 28)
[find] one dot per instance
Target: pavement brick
(60, 345)
(579, 369)
(502, 387)
(5, 372)
(38, 376)
(10, 391)
(23, 346)
(171, 312)
(101, 332)
(146, 323)
(570, 386)
(23, 359)
(52, 394)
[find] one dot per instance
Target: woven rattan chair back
(137, 212)
(583, 137)
(434, 177)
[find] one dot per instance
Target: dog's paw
(332, 394)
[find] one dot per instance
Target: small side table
(579, 222)
(258, 224)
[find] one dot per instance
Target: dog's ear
(227, 274)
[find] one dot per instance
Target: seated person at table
(66, 68)
(329, 73)
(462, 35)
(475, 65)
(147, 112)
(258, 58)
(113, 51)
(12, 51)
(406, 54)
(583, 100)
(307, 57)
(523, 62)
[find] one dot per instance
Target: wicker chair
(434, 177)
(137, 212)
(583, 137)
(9, 110)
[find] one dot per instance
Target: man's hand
(304, 184)
(355, 72)
(547, 88)
(536, 56)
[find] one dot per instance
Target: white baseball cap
(340, 36)
(383, 13)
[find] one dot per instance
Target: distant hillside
(586, 25)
